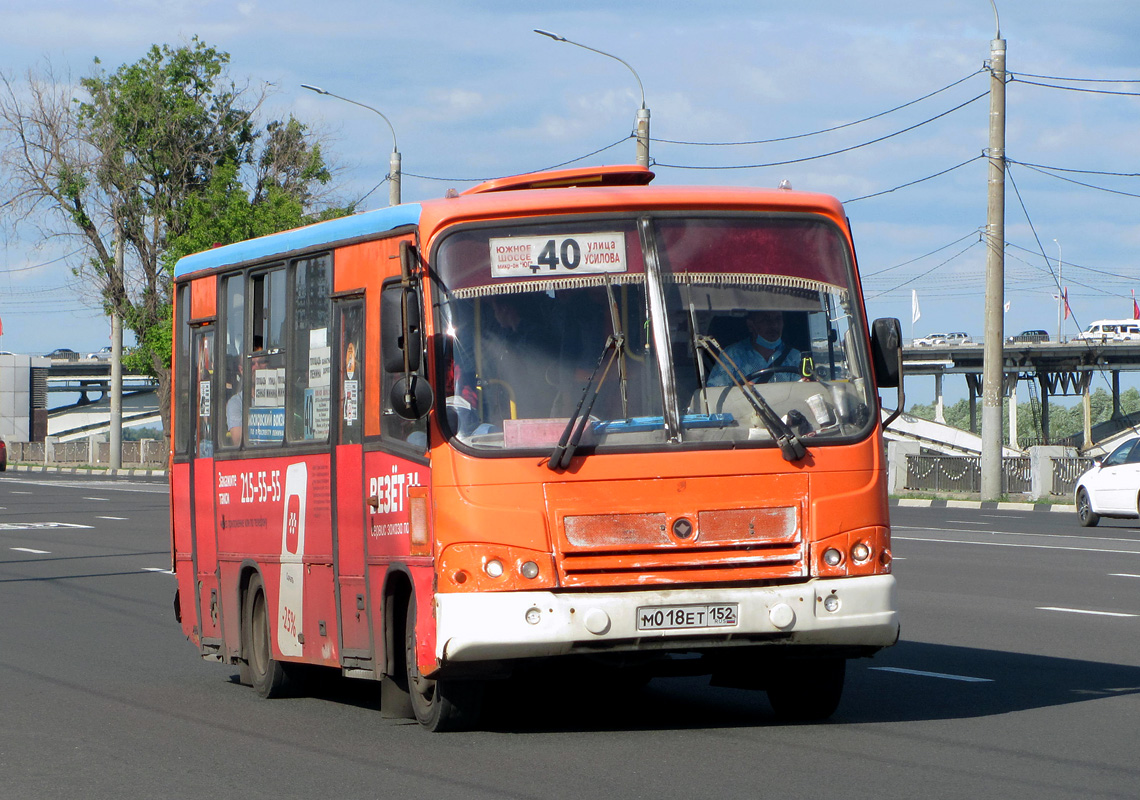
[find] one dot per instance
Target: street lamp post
(1060, 294)
(642, 125)
(393, 162)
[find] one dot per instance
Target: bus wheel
(808, 690)
(439, 705)
(1085, 515)
(267, 675)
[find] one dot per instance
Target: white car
(930, 339)
(1112, 487)
(943, 339)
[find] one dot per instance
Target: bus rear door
(348, 478)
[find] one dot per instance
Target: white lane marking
(158, 569)
(31, 550)
(115, 518)
(1078, 537)
(36, 526)
(1122, 575)
(98, 499)
(14, 491)
(943, 675)
(1013, 544)
(1087, 611)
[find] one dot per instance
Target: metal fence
(1016, 475)
(142, 454)
(1066, 471)
(944, 473)
(963, 474)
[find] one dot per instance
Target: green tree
(167, 150)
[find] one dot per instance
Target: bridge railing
(141, 454)
(944, 474)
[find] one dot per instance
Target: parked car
(1035, 335)
(102, 354)
(958, 337)
(1112, 487)
(63, 354)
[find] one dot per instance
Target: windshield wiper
(572, 433)
(788, 440)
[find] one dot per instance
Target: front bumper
(493, 625)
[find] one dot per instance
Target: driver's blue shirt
(744, 355)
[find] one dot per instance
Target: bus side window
(265, 417)
(184, 377)
(232, 405)
(310, 355)
(394, 428)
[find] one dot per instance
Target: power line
(544, 169)
(1074, 181)
(924, 274)
(46, 263)
(912, 183)
(824, 130)
(1077, 88)
(1076, 80)
(919, 258)
(833, 152)
(1079, 266)
(1077, 171)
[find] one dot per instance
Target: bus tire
(267, 675)
(439, 705)
(807, 690)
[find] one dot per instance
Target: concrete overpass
(1050, 369)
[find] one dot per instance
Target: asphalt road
(1018, 675)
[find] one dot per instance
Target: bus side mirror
(400, 329)
(411, 397)
(886, 352)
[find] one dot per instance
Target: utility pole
(993, 357)
(116, 422)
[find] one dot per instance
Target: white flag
(1007, 302)
(915, 312)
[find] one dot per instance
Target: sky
(473, 93)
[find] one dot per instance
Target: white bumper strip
(494, 625)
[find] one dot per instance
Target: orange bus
(564, 415)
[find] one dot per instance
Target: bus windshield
(650, 331)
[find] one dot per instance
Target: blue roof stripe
(321, 233)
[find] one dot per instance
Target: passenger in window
(520, 352)
(233, 404)
(764, 356)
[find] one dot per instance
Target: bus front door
(205, 535)
(348, 478)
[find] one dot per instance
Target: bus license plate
(664, 618)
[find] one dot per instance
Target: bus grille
(654, 548)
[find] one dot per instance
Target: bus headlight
(529, 570)
(832, 557)
(860, 552)
(494, 568)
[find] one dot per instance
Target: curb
(89, 472)
(1038, 508)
